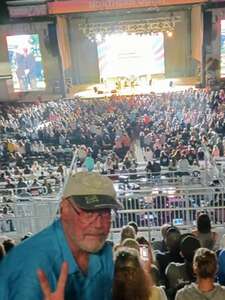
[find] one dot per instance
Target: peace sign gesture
(59, 292)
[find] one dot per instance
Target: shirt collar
(63, 244)
(94, 265)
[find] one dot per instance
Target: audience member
(173, 237)
(205, 268)
(149, 261)
(134, 225)
(161, 245)
(130, 279)
(208, 239)
(180, 274)
(78, 238)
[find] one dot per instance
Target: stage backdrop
(126, 55)
(177, 49)
(35, 43)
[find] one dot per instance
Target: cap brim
(95, 202)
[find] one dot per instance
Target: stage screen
(222, 49)
(131, 55)
(26, 62)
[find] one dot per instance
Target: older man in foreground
(76, 241)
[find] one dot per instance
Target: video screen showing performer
(26, 62)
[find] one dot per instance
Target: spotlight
(169, 33)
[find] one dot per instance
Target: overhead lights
(169, 33)
(96, 31)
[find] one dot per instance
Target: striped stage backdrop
(127, 55)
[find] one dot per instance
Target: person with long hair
(205, 235)
(131, 281)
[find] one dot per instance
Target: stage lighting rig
(143, 26)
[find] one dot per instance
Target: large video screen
(26, 62)
(131, 55)
(222, 49)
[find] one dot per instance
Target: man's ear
(64, 208)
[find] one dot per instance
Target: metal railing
(149, 199)
(148, 207)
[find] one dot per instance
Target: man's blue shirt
(47, 250)
(221, 272)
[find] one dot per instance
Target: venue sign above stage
(76, 6)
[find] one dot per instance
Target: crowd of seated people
(176, 128)
(20, 185)
(39, 140)
(173, 129)
(52, 132)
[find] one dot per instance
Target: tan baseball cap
(91, 191)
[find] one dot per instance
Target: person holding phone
(147, 258)
(131, 281)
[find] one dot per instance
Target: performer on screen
(30, 70)
(25, 69)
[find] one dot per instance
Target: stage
(157, 86)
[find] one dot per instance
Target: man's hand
(59, 292)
